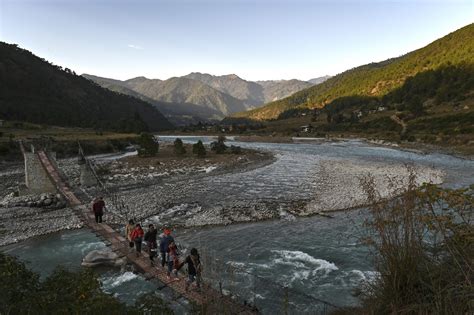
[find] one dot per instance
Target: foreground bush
(424, 248)
(63, 292)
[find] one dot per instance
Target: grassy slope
(377, 79)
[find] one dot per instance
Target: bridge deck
(208, 295)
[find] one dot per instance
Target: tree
(199, 149)
(179, 148)
(219, 146)
(148, 145)
(63, 292)
(415, 106)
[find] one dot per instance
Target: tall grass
(423, 242)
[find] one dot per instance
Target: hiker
(173, 259)
(150, 239)
(128, 232)
(98, 207)
(137, 238)
(194, 268)
(166, 238)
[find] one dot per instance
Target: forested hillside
(377, 79)
(34, 90)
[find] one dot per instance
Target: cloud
(135, 47)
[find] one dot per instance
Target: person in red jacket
(98, 207)
(137, 238)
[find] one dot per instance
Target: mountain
(376, 79)
(184, 90)
(253, 94)
(34, 90)
(201, 96)
(177, 113)
(277, 89)
(319, 80)
(250, 93)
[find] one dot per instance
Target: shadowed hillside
(33, 90)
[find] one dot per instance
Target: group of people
(169, 253)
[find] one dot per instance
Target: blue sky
(257, 40)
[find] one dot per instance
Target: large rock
(102, 257)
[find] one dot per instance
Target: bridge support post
(36, 178)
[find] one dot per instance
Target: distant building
(381, 108)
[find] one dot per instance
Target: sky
(257, 40)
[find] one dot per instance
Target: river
(317, 258)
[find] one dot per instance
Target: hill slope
(177, 113)
(180, 95)
(31, 89)
(377, 79)
(253, 94)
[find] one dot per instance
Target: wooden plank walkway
(214, 301)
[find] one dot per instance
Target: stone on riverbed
(102, 257)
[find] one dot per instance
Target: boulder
(102, 257)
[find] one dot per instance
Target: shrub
(148, 145)
(63, 292)
(199, 149)
(179, 148)
(235, 149)
(424, 249)
(219, 146)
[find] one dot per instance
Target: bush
(219, 146)
(148, 145)
(235, 149)
(63, 292)
(424, 249)
(199, 149)
(179, 148)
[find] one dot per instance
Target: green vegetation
(199, 149)
(424, 247)
(149, 146)
(33, 90)
(179, 148)
(219, 146)
(63, 292)
(377, 79)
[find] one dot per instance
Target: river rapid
(317, 258)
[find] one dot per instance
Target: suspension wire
(117, 202)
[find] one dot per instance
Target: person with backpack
(194, 268)
(137, 238)
(150, 239)
(166, 239)
(173, 259)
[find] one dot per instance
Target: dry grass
(423, 242)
